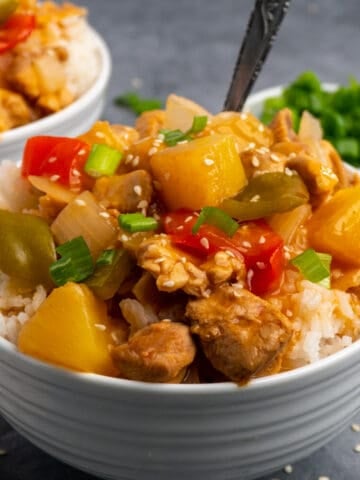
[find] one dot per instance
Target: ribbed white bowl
(70, 121)
(127, 430)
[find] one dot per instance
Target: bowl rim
(264, 383)
(65, 114)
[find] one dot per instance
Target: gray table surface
(189, 47)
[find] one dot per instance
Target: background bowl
(70, 121)
(120, 429)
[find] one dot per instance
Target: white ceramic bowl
(70, 121)
(125, 430)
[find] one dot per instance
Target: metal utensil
(261, 32)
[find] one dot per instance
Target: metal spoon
(261, 32)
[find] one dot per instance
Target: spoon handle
(262, 28)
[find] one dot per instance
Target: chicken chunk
(149, 123)
(241, 334)
(282, 127)
(159, 352)
(126, 193)
(257, 161)
(14, 111)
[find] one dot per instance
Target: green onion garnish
(137, 104)
(314, 266)
(137, 222)
(102, 160)
(106, 257)
(216, 217)
(172, 137)
(75, 264)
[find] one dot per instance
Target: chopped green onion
(137, 222)
(106, 257)
(314, 266)
(218, 218)
(102, 160)
(75, 264)
(108, 277)
(172, 137)
(136, 103)
(198, 125)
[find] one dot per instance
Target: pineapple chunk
(180, 111)
(200, 173)
(335, 226)
(71, 329)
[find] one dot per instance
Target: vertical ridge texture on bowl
(127, 430)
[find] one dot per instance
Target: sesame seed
(250, 275)
(99, 135)
(180, 227)
(289, 313)
(143, 204)
(167, 220)
(76, 173)
(355, 427)
(114, 336)
(274, 158)
(160, 137)
(243, 116)
(159, 260)
(255, 162)
(2, 452)
(128, 158)
(255, 198)
(246, 244)
(357, 448)
(169, 284)
(207, 293)
(52, 159)
(288, 469)
(136, 161)
(264, 150)
(237, 148)
(261, 128)
(80, 202)
(208, 162)
(100, 326)
(54, 178)
(157, 143)
(261, 265)
(156, 216)
(205, 243)
(230, 253)
(137, 189)
(287, 255)
(183, 259)
(124, 238)
(104, 214)
(152, 151)
(288, 172)
(188, 219)
(262, 240)
(182, 142)
(251, 145)
(292, 155)
(82, 152)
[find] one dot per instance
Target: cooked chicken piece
(159, 352)
(344, 175)
(241, 334)
(14, 111)
(282, 127)
(223, 267)
(261, 160)
(172, 269)
(49, 208)
(320, 179)
(127, 193)
(149, 123)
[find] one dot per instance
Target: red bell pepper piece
(17, 28)
(255, 242)
(59, 157)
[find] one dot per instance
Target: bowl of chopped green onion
(337, 107)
